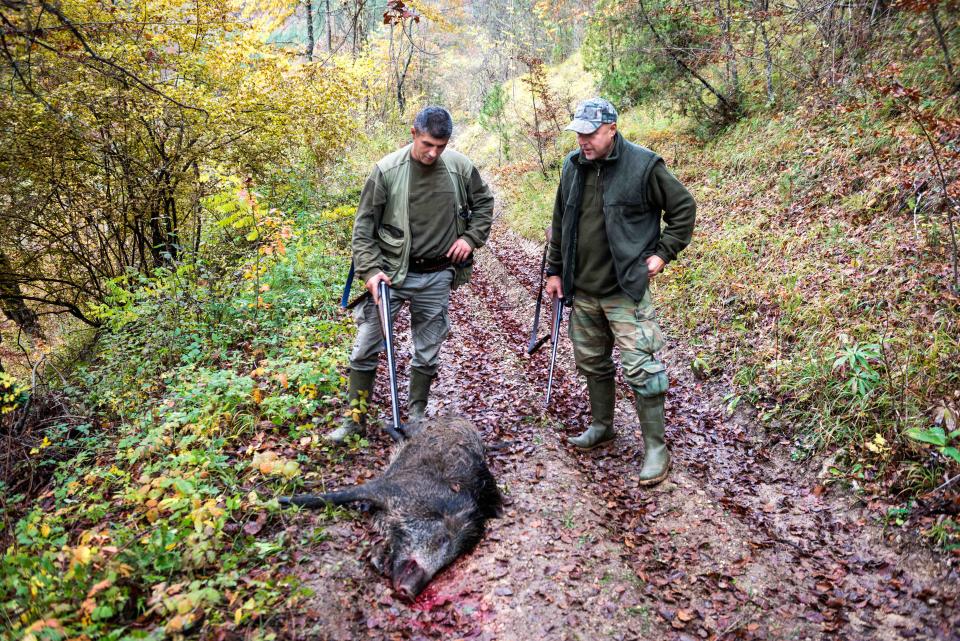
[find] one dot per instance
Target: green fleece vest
(393, 235)
(632, 221)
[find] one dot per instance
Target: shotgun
(534, 343)
(557, 309)
(395, 430)
(555, 339)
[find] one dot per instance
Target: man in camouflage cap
(619, 217)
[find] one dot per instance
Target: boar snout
(410, 579)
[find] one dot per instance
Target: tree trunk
(12, 301)
(329, 28)
(310, 42)
(725, 19)
(768, 55)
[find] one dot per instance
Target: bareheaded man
(422, 213)
(619, 217)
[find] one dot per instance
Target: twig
(951, 203)
(945, 485)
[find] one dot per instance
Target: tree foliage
(119, 120)
(731, 54)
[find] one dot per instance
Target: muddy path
(738, 543)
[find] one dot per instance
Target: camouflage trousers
(599, 323)
(429, 298)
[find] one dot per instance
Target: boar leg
(371, 494)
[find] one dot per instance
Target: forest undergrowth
(210, 386)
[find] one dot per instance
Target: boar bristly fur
(431, 504)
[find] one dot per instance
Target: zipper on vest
(600, 185)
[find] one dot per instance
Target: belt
(424, 265)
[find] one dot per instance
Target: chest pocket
(391, 239)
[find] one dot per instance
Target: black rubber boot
(656, 456)
(418, 395)
(360, 391)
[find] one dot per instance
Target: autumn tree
(116, 132)
(549, 112)
(493, 118)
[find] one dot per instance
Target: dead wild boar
(431, 503)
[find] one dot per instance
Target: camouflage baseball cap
(591, 114)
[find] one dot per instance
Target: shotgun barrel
(395, 430)
(536, 343)
(555, 339)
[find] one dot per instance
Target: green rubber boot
(602, 396)
(360, 391)
(656, 456)
(419, 392)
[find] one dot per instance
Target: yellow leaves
(432, 14)
(81, 555)
(290, 469)
(270, 463)
(355, 414)
(245, 610)
(257, 395)
(43, 445)
(878, 445)
(343, 212)
(205, 514)
(254, 271)
(12, 394)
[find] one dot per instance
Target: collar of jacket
(612, 157)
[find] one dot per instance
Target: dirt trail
(739, 543)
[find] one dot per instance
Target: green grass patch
(528, 203)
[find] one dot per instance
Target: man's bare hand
(371, 285)
(655, 265)
(459, 251)
(554, 287)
